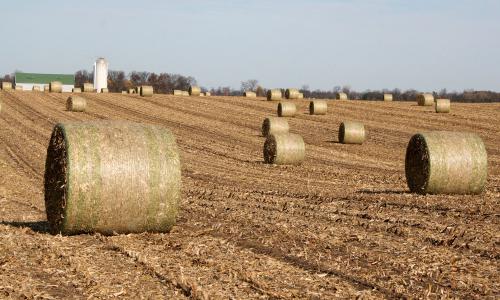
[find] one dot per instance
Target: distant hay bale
(36, 88)
(445, 162)
(318, 107)
(250, 94)
(284, 149)
(177, 93)
(301, 96)
(88, 87)
(425, 99)
(124, 92)
(131, 91)
(76, 90)
(202, 94)
(342, 96)
(292, 93)
(352, 133)
(138, 90)
(18, 88)
(6, 85)
(104, 90)
(208, 94)
(274, 125)
(388, 97)
(185, 93)
(76, 103)
(442, 105)
(286, 109)
(194, 90)
(147, 91)
(55, 87)
(126, 184)
(46, 88)
(274, 95)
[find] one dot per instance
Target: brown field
(341, 225)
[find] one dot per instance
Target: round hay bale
(76, 90)
(129, 183)
(177, 93)
(194, 90)
(208, 94)
(274, 125)
(286, 109)
(388, 97)
(301, 96)
(146, 91)
(444, 162)
(36, 88)
(138, 90)
(88, 87)
(46, 88)
(185, 93)
(352, 133)
(292, 93)
(425, 99)
(104, 90)
(18, 88)
(342, 96)
(124, 92)
(318, 107)
(442, 105)
(131, 91)
(55, 87)
(250, 94)
(6, 85)
(284, 149)
(76, 103)
(274, 95)
(202, 94)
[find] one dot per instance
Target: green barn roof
(44, 78)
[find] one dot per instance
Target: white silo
(100, 74)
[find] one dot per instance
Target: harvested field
(342, 224)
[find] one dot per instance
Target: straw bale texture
(388, 97)
(6, 85)
(76, 90)
(194, 90)
(274, 125)
(36, 88)
(352, 133)
(131, 91)
(286, 109)
(18, 88)
(111, 177)
(318, 107)
(104, 90)
(274, 95)
(88, 87)
(146, 91)
(55, 87)
(284, 149)
(177, 93)
(185, 93)
(0, 106)
(425, 99)
(446, 162)
(342, 96)
(301, 96)
(442, 105)
(249, 94)
(76, 103)
(124, 92)
(292, 93)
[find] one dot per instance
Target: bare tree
(249, 85)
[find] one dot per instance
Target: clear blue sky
(370, 44)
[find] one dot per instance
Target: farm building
(28, 80)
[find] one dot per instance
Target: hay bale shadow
(37, 226)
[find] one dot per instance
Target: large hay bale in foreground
(6, 85)
(55, 87)
(88, 87)
(250, 94)
(341, 96)
(445, 162)
(352, 133)
(286, 109)
(129, 183)
(146, 91)
(273, 125)
(292, 93)
(388, 97)
(442, 105)
(177, 93)
(76, 103)
(36, 88)
(194, 90)
(104, 90)
(284, 149)
(76, 90)
(274, 95)
(425, 99)
(318, 107)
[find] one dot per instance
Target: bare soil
(342, 225)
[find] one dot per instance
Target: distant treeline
(165, 83)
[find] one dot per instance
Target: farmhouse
(28, 80)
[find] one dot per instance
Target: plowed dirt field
(342, 225)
